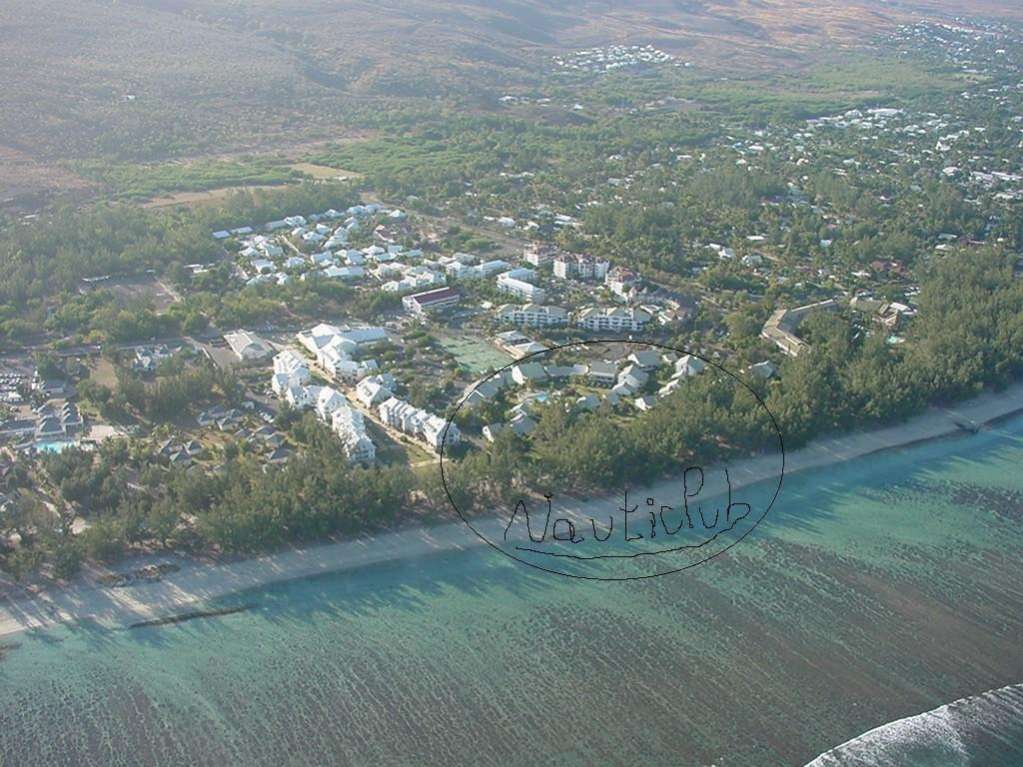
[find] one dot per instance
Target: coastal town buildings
(247, 346)
(431, 429)
(532, 315)
(780, 328)
(431, 301)
(615, 319)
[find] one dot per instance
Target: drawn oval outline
(594, 342)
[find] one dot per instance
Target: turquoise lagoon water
(874, 591)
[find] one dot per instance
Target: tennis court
(474, 355)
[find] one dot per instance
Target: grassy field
(395, 155)
(145, 182)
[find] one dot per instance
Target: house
(279, 454)
(345, 273)
(622, 391)
(532, 315)
(248, 347)
(478, 395)
(670, 387)
(587, 403)
(561, 372)
(688, 366)
(180, 459)
(329, 400)
(644, 404)
(436, 431)
(431, 301)
(364, 337)
(634, 377)
(517, 345)
(521, 424)
(291, 367)
(298, 397)
(647, 359)
(602, 373)
(148, 357)
(521, 273)
(50, 387)
(318, 338)
(262, 266)
(678, 306)
(764, 370)
(370, 392)
(528, 372)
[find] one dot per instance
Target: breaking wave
(982, 729)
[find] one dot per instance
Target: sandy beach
(89, 601)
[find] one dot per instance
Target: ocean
(882, 596)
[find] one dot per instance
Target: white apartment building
(580, 266)
(350, 428)
(615, 319)
(538, 253)
(521, 289)
(289, 370)
(532, 315)
(418, 423)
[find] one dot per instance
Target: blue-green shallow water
(874, 591)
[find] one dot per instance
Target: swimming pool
(57, 446)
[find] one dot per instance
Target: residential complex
(615, 319)
(432, 429)
(532, 315)
(422, 304)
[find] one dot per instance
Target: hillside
(146, 80)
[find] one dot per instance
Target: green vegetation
(721, 189)
(970, 335)
(44, 262)
(244, 507)
(143, 182)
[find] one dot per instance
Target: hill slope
(155, 79)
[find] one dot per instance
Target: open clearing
(205, 198)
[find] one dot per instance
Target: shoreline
(887, 736)
(196, 582)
